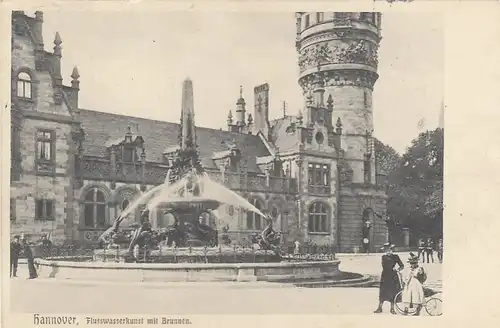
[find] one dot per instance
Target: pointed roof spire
(241, 101)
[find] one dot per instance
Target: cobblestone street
(203, 298)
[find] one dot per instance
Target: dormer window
(24, 86)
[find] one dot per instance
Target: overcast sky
(134, 64)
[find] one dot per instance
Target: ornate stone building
(74, 170)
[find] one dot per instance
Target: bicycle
(432, 304)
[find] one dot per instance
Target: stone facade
(74, 170)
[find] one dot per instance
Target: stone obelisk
(188, 131)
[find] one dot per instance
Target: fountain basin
(59, 268)
(190, 255)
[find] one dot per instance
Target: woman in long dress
(389, 280)
(413, 292)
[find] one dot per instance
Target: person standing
(429, 250)
(15, 250)
(28, 253)
(413, 291)
(390, 285)
(421, 249)
(46, 246)
(440, 250)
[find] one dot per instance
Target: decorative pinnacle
(230, 115)
(57, 39)
(241, 91)
(330, 100)
(39, 15)
(75, 75)
(339, 123)
(250, 119)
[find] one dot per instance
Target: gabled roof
(100, 128)
(282, 135)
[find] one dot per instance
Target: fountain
(187, 250)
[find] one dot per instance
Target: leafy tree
(415, 187)
(387, 157)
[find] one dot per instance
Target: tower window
(319, 178)
(367, 169)
(24, 86)
(319, 17)
(307, 21)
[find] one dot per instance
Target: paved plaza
(53, 296)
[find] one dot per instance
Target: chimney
(261, 109)
(38, 33)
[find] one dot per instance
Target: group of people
(426, 249)
(391, 282)
(21, 246)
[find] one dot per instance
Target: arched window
(318, 217)
(96, 209)
(254, 220)
(24, 85)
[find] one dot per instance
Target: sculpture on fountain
(268, 239)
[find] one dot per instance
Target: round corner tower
(341, 49)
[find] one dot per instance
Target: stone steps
(365, 281)
(345, 279)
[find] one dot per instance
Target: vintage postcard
(170, 164)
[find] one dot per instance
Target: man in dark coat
(429, 250)
(31, 260)
(15, 249)
(390, 285)
(421, 249)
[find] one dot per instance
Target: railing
(235, 254)
(93, 168)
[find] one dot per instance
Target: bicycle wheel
(401, 306)
(433, 306)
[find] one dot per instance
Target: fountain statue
(268, 239)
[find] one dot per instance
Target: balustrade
(154, 174)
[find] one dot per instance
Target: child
(413, 292)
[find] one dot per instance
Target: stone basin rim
(162, 266)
